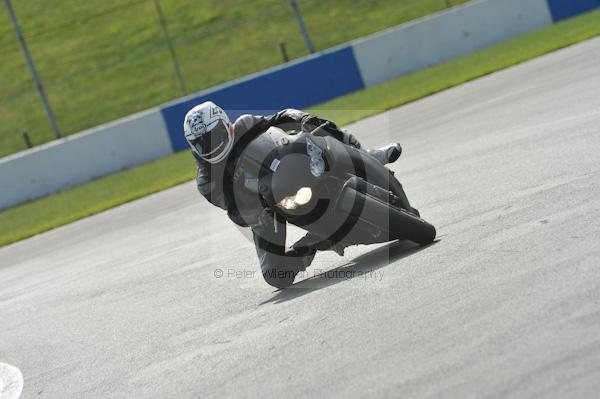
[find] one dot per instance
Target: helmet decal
(196, 123)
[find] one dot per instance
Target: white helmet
(209, 132)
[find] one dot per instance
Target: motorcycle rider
(216, 145)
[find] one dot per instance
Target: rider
(216, 145)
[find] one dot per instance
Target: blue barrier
(299, 84)
(563, 9)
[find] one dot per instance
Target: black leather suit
(217, 184)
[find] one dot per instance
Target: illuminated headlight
(292, 202)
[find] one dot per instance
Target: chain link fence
(103, 59)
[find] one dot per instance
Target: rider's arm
(296, 118)
(299, 118)
(215, 194)
(292, 119)
(207, 187)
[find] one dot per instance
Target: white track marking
(11, 382)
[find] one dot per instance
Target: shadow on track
(368, 262)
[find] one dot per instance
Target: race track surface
(506, 303)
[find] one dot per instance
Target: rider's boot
(388, 154)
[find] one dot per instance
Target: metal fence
(102, 59)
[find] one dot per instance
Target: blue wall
(563, 9)
(296, 85)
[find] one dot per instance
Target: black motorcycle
(340, 194)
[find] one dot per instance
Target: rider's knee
(279, 277)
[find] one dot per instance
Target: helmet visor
(214, 142)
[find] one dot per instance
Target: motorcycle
(340, 194)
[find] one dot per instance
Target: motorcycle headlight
(302, 197)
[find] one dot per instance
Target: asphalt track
(506, 303)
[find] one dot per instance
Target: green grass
(104, 59)
(46, 213)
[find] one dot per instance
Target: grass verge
(59, 209)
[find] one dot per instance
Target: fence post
(305, 34)
(284, 53)
(36, 78)
(26, 138)
(163, 23)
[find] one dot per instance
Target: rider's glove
(349, 139)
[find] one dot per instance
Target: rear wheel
(372, 208)
(404, 225)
